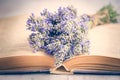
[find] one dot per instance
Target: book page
(105, 40)
(13, 37)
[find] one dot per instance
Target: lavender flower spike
(61, 34)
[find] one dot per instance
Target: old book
(78, 64)
(17, 57)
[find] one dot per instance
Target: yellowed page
(105, 40)
(13, 37)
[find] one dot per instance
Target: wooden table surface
(59, 77)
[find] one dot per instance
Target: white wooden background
(59, 77)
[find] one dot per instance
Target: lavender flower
(62, 34)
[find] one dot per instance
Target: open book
(17, 57)
(79, 64)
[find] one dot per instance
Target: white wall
(16, 7)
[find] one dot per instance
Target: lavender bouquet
(61, 34)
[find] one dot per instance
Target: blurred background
(14, 13)
(17, 7)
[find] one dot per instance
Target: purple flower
(29, 21)
(61, 34)
(67, 13)
(41, 30)
(33, 15)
